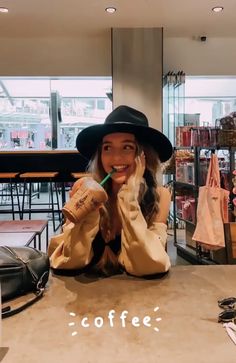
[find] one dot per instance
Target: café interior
(65, 66)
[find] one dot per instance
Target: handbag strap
(9, 311)
(213, 174)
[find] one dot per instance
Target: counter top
(35, 151)
(62, 161)
(185, 299)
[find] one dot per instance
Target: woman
(128, 232)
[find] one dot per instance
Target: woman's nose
(117, 156)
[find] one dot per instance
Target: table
(52, 331)
(17, 239)
(33, 225)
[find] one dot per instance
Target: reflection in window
(27, 110)
(210, 97)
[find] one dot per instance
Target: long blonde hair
(148, 200)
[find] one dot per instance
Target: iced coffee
(88, 197)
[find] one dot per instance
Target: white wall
(137, 70)
(216, 56)
(85, 56)
(90, 55)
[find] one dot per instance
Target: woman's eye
(129, 147)
(106, 148)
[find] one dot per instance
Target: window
(43, 113)
(210, 97)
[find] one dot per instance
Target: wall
(90, 55)
(216, 56)
(85, 56)
(75, 56)
(137, 58)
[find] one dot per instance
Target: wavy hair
(148, 199)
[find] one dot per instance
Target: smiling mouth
(120, 168)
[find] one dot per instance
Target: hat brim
(89, 138)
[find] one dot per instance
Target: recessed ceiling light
(4, 10)
(218, 9)
(110, 10)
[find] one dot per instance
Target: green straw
(107, 177)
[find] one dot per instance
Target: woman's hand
(135, 179)
(132, 186)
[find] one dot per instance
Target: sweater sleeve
(142, 249)
(72, 249)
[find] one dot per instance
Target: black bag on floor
(22, 270)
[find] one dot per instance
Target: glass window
(210, 97)
(43, 113)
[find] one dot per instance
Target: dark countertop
(62, 161)
(35, 151)
(51, 330)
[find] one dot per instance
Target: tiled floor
(175, 259)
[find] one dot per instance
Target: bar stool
(39, 177)
(36, 226)
(80, 175)
(10, 180)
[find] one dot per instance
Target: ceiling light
(218, 9)
(110, 10)
(4, 10)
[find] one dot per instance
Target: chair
(9, 189)
(38, 177)
(80, 175)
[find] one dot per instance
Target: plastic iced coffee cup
(89, 196)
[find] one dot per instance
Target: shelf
(189, 254)
(184, 148)
(182, 184)
(185, 248)
(217, 147)
(185, 220)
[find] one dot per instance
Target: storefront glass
(210, 98)
(196, 101)
(43, 113)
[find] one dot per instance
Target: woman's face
(119, 152)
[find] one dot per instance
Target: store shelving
(187, 248)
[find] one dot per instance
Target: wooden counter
(52, 331)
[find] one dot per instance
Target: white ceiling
(68, 18)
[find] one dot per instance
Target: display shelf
(188, 254)
(183, 185)
(216, 147)
(187, 248)
(185, 220)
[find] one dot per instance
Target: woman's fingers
(140, 165)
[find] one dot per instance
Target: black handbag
(22, 270)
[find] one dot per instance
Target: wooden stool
(80, 175)
(9, 179)
(37, 226)
(17, 239)
(39, 177)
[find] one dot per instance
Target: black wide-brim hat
(124, 119)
